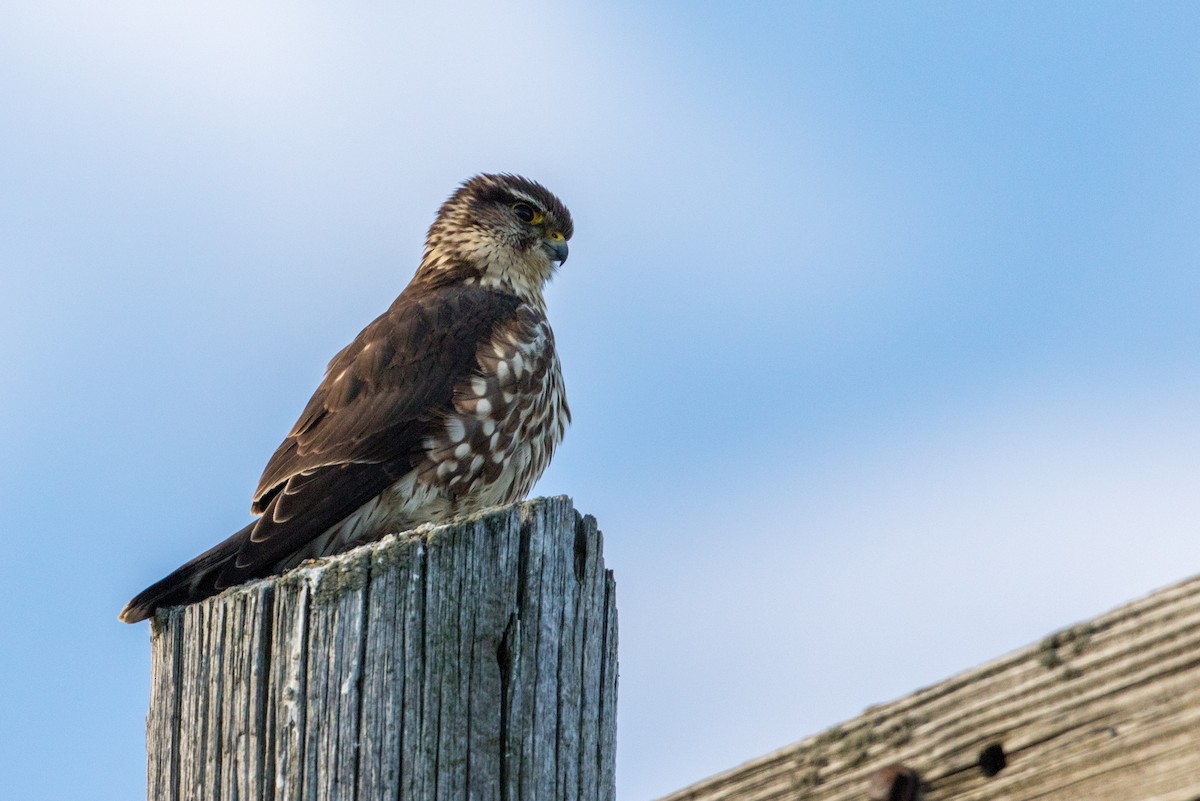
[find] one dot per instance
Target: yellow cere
(555, 236)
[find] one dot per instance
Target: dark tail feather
(192, 582)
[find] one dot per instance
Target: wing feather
(366, 424)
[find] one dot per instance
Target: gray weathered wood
(472, 661)
(1107, 710)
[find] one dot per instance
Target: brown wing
(366, 423)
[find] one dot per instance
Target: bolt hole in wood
(992, 760)
(894, 783)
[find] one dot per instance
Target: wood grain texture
(1107, 710)
(472, 661)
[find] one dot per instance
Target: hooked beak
(556, 247)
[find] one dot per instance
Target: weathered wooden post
(472, 661)
(1105, 710)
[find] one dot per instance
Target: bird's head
(500, 230)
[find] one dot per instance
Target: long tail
(191, 582)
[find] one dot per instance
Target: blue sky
(879, 327)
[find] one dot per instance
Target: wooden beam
(471, 661)
(1106, 710)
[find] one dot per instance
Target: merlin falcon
(450, 402)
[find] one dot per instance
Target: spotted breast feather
(506, 421)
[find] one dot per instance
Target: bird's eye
(526, 213)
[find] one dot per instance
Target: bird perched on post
(450, 402)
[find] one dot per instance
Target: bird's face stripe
(494, 231)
